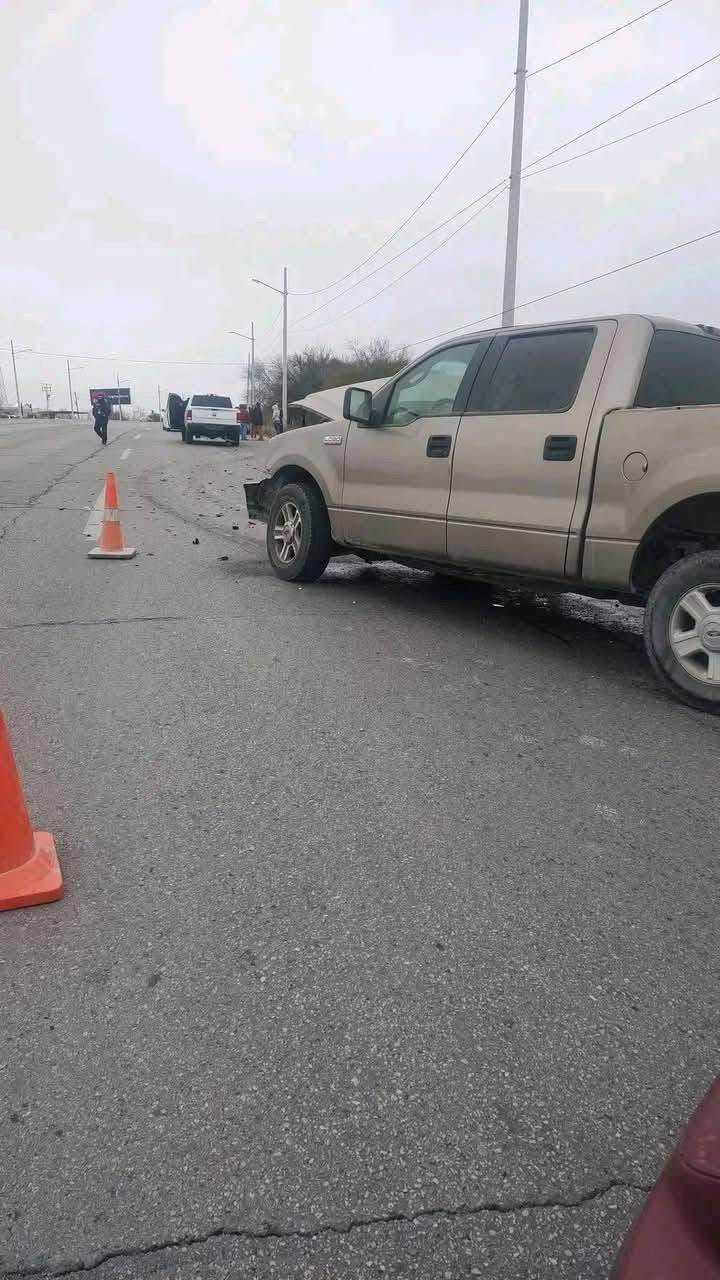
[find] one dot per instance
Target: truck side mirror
(357, 406)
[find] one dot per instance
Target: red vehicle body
(677, 1236)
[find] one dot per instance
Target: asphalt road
(389, 944)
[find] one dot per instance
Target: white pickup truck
(213, 417)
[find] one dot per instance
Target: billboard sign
(114, 395)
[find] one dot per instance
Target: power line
(503, 183)
(75, 355)
(635, 133)
(603, 275)
(592, 43)
(273, 326)
(538, 71)
(638, 101)
(323, 289)
(420, 261)
(528, 170)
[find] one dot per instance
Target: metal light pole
(250, 337)
(17, 389)
(284, 292)
(513, 222)
(159, 401)
(77, 369)
(47, 388)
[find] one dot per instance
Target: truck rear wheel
(188, 435)
(682, 630)
(299, 542)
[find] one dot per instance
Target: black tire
(315, 545)
(702, 570)
(188, 435)
(234, 439)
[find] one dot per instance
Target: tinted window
(536, 373)
(212, 402)
(429, 389)
(681, 368)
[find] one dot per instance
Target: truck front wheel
(299, 542)
(682, 630)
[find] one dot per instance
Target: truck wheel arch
(293, 474)
(689, 526)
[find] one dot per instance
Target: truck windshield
(212, 402)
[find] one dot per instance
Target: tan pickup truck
(582, 456)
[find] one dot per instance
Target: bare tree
(317, 368)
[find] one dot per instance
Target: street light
(17, 351)
(251, 339)
(77, 369)
(284, 292)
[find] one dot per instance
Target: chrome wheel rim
(287, 532)
(694, 633)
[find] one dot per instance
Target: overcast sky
(157, 154)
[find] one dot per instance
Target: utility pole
(284, 292)
(69, 374)
(159, 401)
(47, 388)
(17, 389)
(513, 222)
(248, 385)
(77, 407)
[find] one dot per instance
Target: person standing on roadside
(277, 419)
(244, 420)
(101, 414)
(256, 418)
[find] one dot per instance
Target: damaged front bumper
(257, 497)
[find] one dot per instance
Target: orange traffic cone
(110, 546)
(29, 869)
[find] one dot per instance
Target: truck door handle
(559, 448)
(438, 446)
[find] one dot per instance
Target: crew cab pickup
(582, 456)
(211, 416)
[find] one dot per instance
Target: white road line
(92, 528)
(125, 454)
(138, 436)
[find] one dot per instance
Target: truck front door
(520, 445)
(397, 472)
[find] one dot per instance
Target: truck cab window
(680, 368)
(536, 373)
(428, 390)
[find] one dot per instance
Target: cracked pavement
(405, 1243)
(389, 944)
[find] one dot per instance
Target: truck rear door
(520, 444)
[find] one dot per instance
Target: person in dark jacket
(101, 414)
(256, 420)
